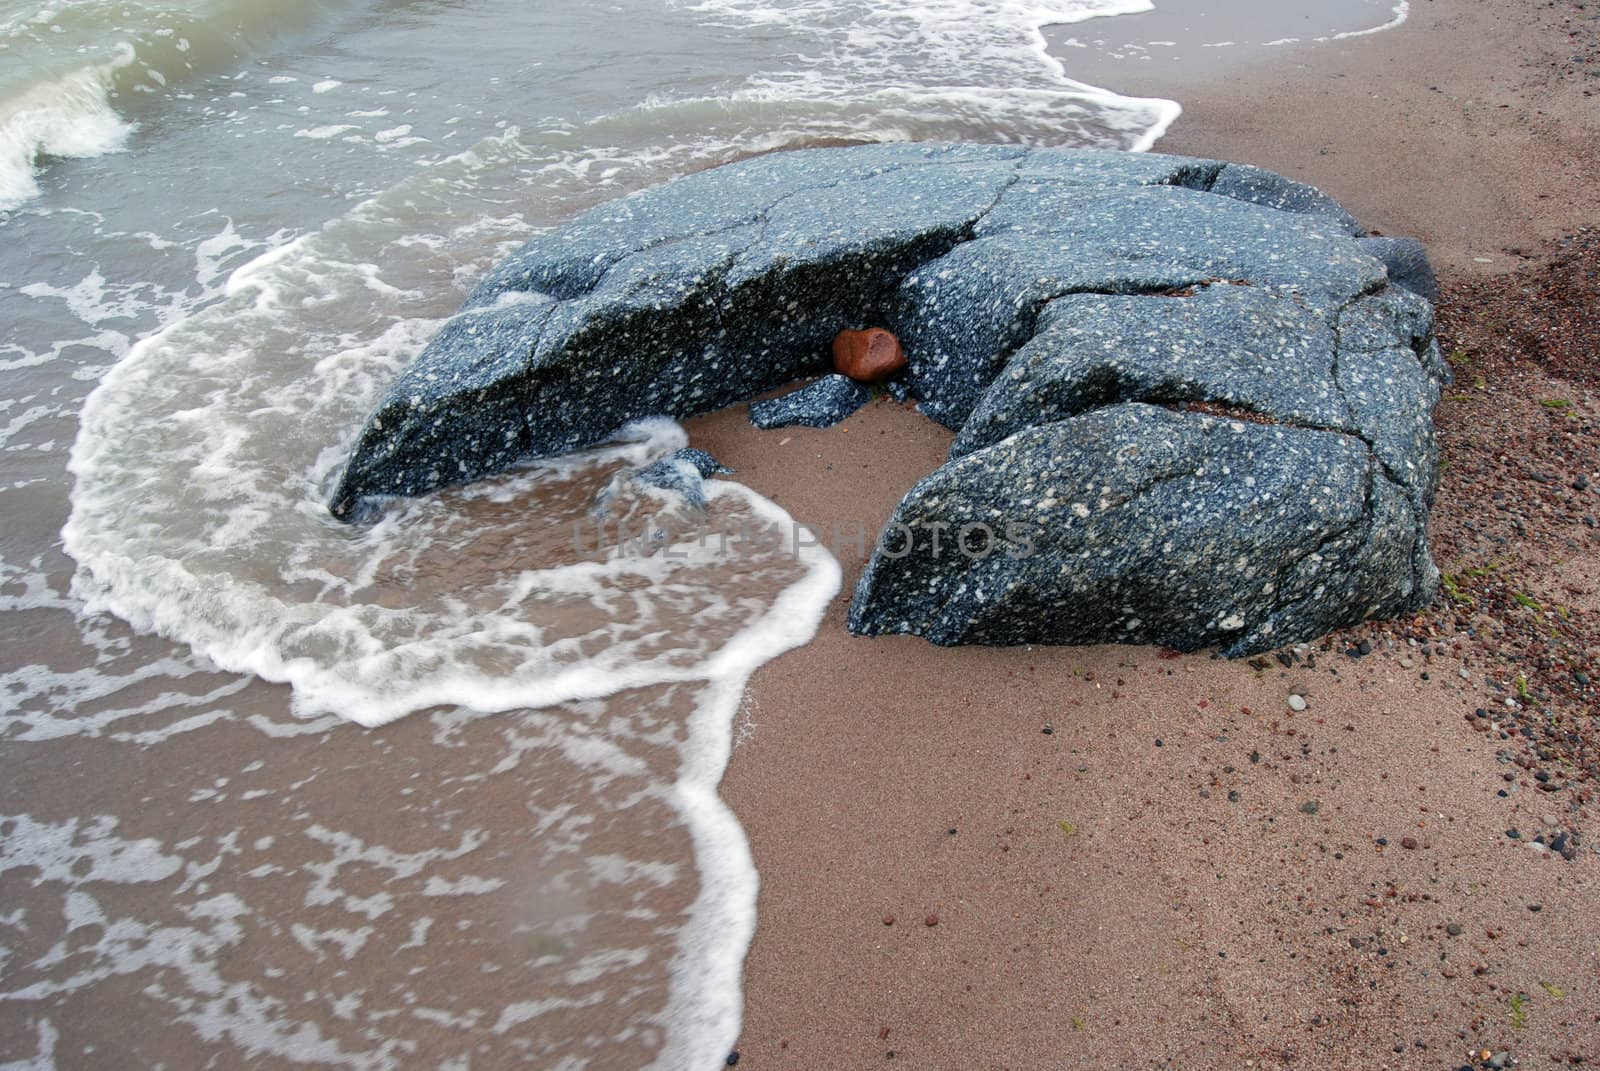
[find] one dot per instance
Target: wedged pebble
(868, 355)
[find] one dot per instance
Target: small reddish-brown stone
(867, 356)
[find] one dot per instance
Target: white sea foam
(978, 69)
(1401, 11)
(70, 116)
(202, 463)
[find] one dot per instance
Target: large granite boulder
(1193, 401)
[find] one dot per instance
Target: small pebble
(733, 1059)
(1409, 843)
(932, 920)
(888, 920)
(1309, 807)
(1536, 908)
(1296, 702)
(1455, 929)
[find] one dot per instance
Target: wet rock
(817, 405)
(681, 474)
(1407, 263)
(867, 356)
(1193, 407)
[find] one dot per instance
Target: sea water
(225, 226)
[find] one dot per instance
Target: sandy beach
(1375, 850)
(1121, 857)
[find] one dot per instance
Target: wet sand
(1108, 857)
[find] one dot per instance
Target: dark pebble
(888, 920)
(1309, 807)
(1233, 797)
(1455, 929)
(931, 920)
(1047, 730)
(1514, 834)
(1383, 842)
(951, 831)
(1158, 742)
(733, 1059)
(1535, 908)
(1409, 843)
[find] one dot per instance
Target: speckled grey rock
(1407, 263)
(1208, 358)
(682, 473)
(816, 405)
(1136, 524)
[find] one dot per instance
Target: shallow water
(226, 225)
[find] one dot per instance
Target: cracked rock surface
(1193, 402)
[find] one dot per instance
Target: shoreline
(1104, 857)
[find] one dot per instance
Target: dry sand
(1109, 857)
